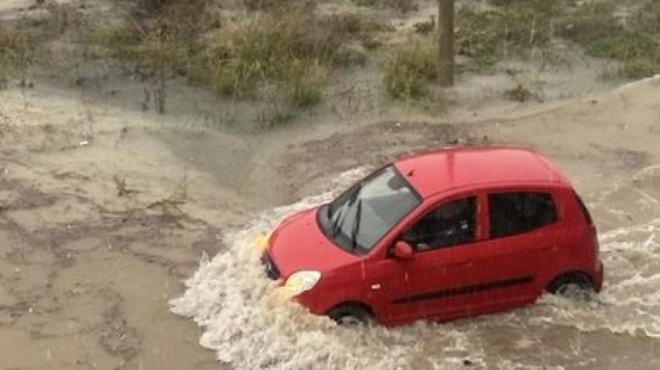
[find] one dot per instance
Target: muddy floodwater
(249, 328)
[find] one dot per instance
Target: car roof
(447, 169)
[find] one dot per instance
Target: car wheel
(350, 315)
(575, 286)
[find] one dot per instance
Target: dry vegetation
(294, 48)
(486, 34)
(410, 69)
(281, 49)
(14, 56)
(401, 5)
(157, 39)
(287, 51)
(634, 40)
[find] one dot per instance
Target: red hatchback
(439, 236)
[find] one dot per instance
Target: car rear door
(523, 237)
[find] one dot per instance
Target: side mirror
(403, 251)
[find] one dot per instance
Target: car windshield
(360, 217)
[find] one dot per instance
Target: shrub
(632, 40)
(401, 5)
(526, 88)
(156, 39)
(410, 69)
(623, 47)
(14, 55)
(639, 68)
(512, 26)
(476, 35)
(288, 45)
(306, 83)
(590, 20)
(647, 17)
(256, 5)
(293, 48)
(424, 28)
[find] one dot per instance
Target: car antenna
(411, 172)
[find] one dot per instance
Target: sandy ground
(105, 209)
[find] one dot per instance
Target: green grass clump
(122, 40)
(590, 20)
(477, 35)
(639, 68)
(518, 27)
(410, 69)
(306, 83)
(525, 90)
(509, 27)
(155, 39)
(258, 5)
(623, 47)
(401, 5)
(519, 93)
(647, 17)
(295, 49)
(633, 41)
(257, 56)
(14, 55)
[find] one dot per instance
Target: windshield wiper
(356, 226)
(339, 219)
(342, 211)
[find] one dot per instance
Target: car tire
(351, 315)
(574, 285)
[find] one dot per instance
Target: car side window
(519, 212)
(452, 223)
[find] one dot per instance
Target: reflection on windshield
(360, 217)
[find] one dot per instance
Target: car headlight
(261, 242)
(301, 281)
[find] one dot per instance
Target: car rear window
(519, 212)
(583, 208)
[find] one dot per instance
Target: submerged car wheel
(575, 286)
(350, 315)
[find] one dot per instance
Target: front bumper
(270, 268)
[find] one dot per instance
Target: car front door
(386, 280)
(445, 277)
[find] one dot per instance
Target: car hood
(298, 244)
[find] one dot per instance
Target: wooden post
(446, 42)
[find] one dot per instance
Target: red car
(439, 236)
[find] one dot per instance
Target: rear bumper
(598, 277)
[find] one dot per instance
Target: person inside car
(450, 224)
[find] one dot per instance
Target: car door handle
(550, 248)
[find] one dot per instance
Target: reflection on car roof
(442, 170)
